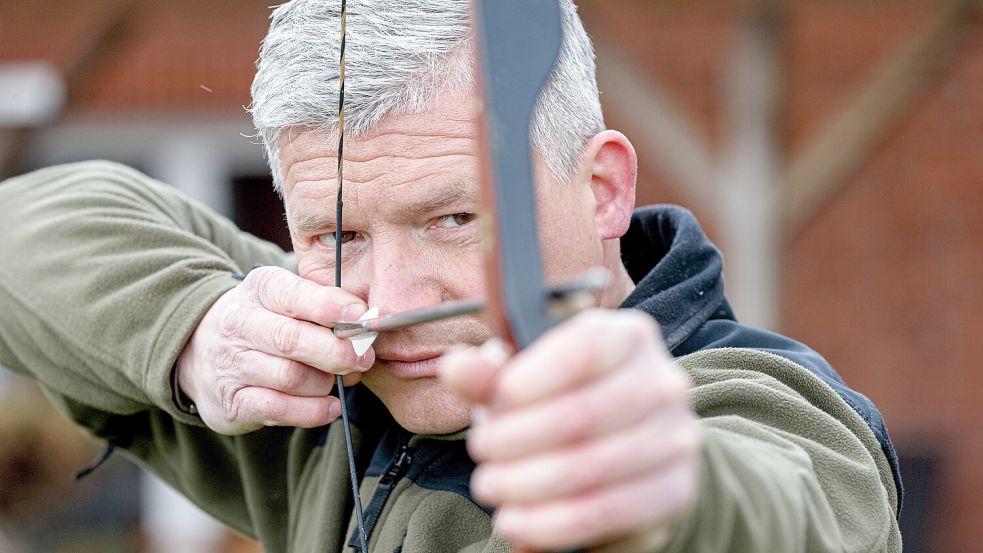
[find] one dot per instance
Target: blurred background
(832, 148)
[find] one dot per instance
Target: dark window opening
(921, 468)
(257, 209)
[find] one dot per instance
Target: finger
(291, 377)
(266, 407)
(601, 516)
(626, 397)
(351, 379)
(643, 448)
(470, 373)
(283, 292)
(282, 336)
(590, 345)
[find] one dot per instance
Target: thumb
(472, 373)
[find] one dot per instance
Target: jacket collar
(677, 271)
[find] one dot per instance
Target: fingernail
(494, 351)
(366, 360)
(334, 410)
(350, 313)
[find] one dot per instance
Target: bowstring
(339, 207)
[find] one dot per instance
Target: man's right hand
(262, 357)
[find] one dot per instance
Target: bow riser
(517, 44)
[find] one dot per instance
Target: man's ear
(610, 163)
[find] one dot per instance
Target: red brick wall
(167, 54)
(888, 283)
(887, 280)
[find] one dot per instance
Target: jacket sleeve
(787, 465)
(104, 274)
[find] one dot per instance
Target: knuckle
(225, 356)
(661, 386)
(285, 336)
(258, 279)
(653, 390)
(287, 291)
(584, 475)
(232, 322)
(227, 393)
(289, 376)
(641, 390)
(619, 460)
(328, 303)
(574, 418)
(234, 407)
(271, 285)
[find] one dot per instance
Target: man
(119, 299)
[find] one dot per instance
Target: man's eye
(330, 238)
(456, 220)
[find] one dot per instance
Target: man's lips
(419, 368)
(410, 365)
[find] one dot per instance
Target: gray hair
(401, 55)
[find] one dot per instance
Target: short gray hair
(400, 55)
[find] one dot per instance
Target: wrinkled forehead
(449, 125)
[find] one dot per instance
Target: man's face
(411, 239)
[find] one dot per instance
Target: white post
(172, 524)
(195, 165)
(748, 192)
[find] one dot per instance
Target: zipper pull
(404, 457)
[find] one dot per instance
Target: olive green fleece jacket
(104, 274)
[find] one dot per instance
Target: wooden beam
(663, 133)
(748, 189)
(889, 95)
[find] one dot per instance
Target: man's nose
(403, 278)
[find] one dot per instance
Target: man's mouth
(410, 366)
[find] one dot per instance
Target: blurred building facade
(833, 148)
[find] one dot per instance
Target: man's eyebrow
(456, 195)
(304, 223)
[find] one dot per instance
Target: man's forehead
(401, 160)
(451, 118)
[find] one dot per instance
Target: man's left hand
(586, 438)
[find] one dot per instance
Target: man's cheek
(314, 271)
(461, 267)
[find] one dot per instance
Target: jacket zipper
(396, 471)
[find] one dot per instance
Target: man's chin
(421, 406)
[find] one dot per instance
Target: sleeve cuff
(160, 375)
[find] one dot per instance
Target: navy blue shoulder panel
(727, 333)
(438, 465)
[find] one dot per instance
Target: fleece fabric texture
(679, 281)
(105, 273)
